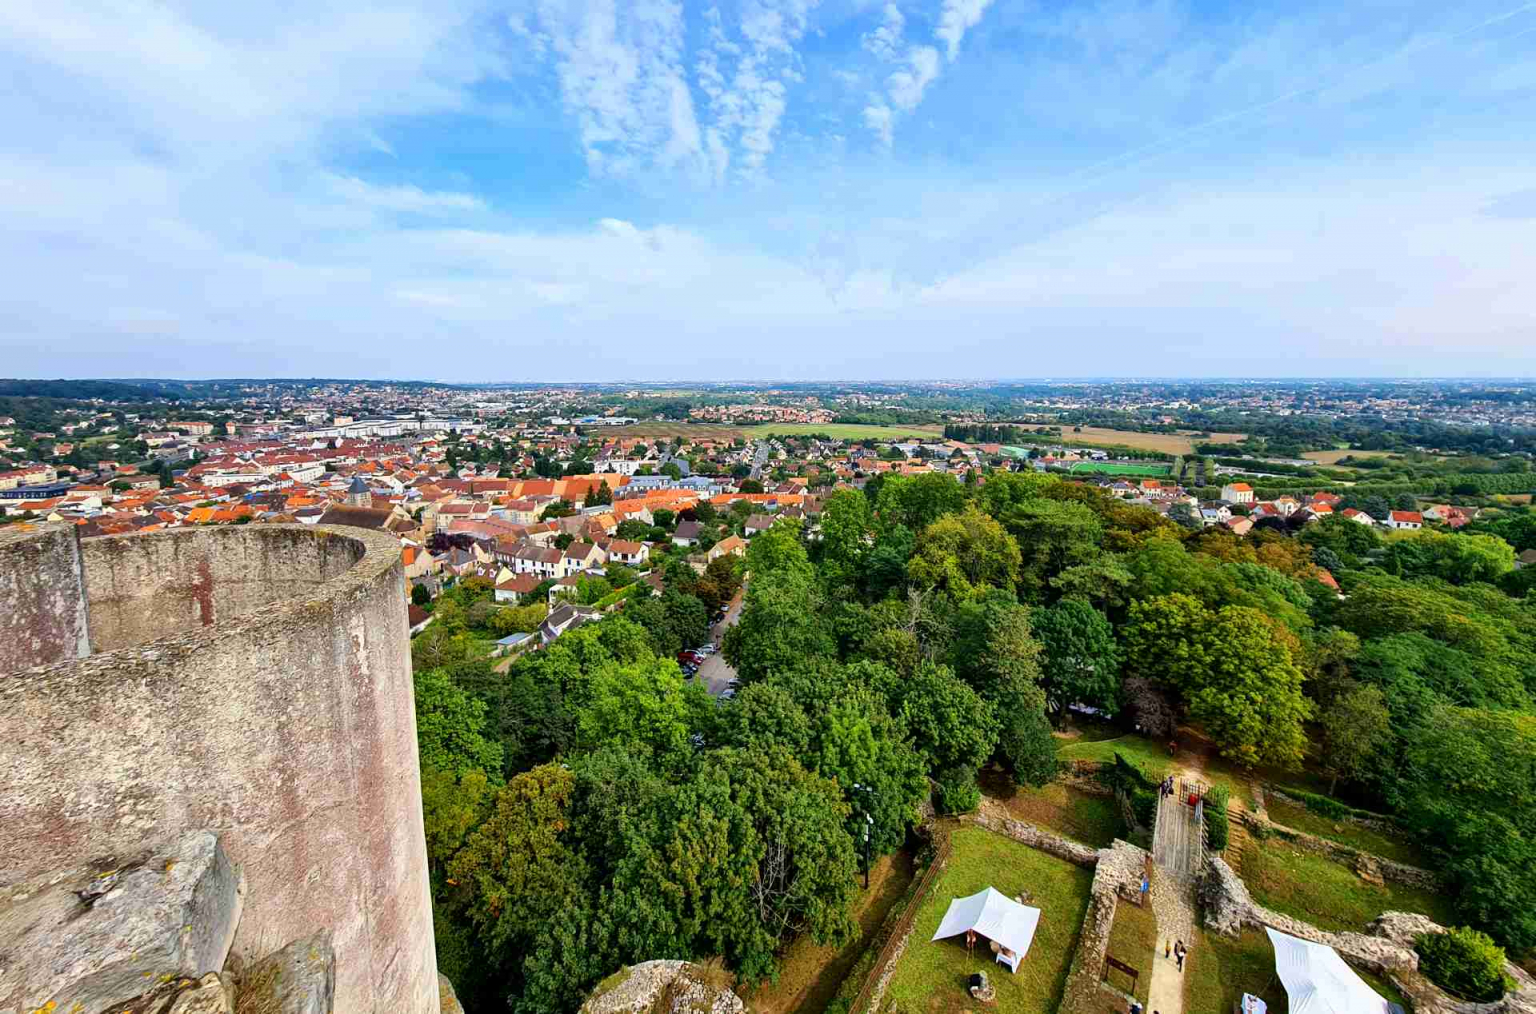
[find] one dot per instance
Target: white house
(1237, 492)
(1404, 520)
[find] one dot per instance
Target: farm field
(1333, 457)
(931, 976)
(717, 431)
(1166, 443)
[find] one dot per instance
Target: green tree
(451, 807)
(519, 869)
(962, 553)
(951, 725)
(846, 522)
(782, 621)
(450, 727)
(1081, 660)
(1234, 668)
(1464, 962)
(1355, 727)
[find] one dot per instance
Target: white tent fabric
(995, 916)
(1317, 980)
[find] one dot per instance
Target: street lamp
(869, 822)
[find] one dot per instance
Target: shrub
(1464, 962)
(1216, 800)
(957, 791)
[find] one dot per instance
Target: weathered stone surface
(1225, 903)
(255, 679)
(98, 935)
(1116, 876)
(994, 817)
(662, 987)
(212, 994)
(299, 979)
(43, 615)
(449, 998)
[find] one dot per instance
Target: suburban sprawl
(1185, 697)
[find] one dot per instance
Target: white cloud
(955, 19)
(884, 41)
(402, 198)
(879, 118)
(744, 81)
(622, 78)
(906, 86)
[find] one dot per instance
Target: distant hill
(109, 390)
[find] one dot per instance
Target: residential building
(1237, 492)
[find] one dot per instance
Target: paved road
(759, 458)
(715, 673)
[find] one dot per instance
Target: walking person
(1178, 954)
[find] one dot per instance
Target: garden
(932, 976)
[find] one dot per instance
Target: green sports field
(1115, 468)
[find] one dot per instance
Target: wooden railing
(904, 925)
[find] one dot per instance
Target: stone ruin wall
(252, 681)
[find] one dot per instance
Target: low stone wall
(994, 818)
(1117, 872)
(1346, 855)
(1386, 947)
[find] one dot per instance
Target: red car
(690, 656)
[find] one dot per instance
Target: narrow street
(715, 673)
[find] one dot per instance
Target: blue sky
(767, 189)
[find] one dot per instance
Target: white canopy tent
(1317, 980)
(995, 916)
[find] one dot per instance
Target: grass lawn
(1133, 940)
(1368, 839)
(1151, 757)
(1327, 894)
(1114, 468)
(931, 976)
(1092, 820)
(810, 974)
(1221, 969)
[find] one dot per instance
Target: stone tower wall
(254, 681)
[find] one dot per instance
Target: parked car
(707, 649)
(684, 657)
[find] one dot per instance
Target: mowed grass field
(1167, 443)
(714, 431)
(931, 975)
(1113, 468)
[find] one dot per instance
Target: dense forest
(591, 807)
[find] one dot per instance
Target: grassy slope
(810, 974)
(1294, 815)
(1092, 820)
(1327, 894)
(931, 976)
(1220, 970)
(1151, 757)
